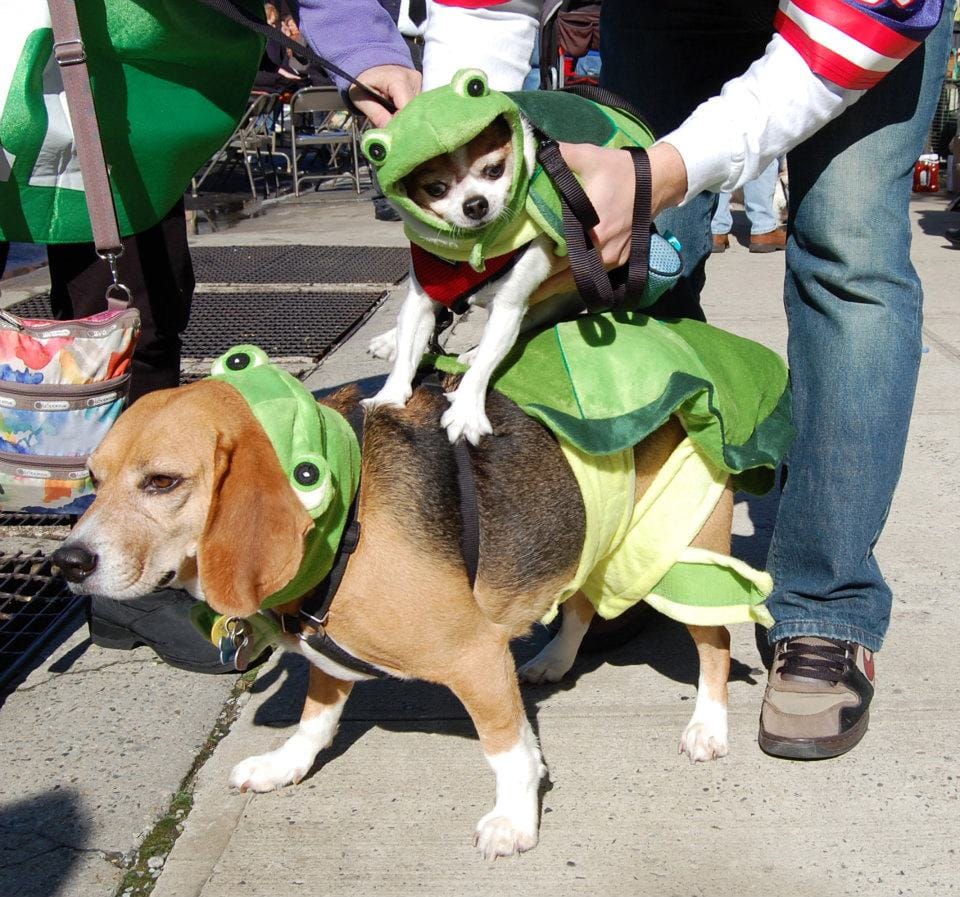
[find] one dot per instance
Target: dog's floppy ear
(253, 541)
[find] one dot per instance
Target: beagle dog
(191, 493)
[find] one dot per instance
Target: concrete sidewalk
(91, 759)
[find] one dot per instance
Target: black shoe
(953, 235)
(383, 211)
(160, 621)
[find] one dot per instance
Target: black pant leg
(156, 266)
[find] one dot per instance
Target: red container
(926, 174)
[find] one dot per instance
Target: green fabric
(445, 118)
(302, 431)
(170, 81)
(711, 593)
(604, 382)
(633, 548)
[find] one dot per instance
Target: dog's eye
(436, 189)
(160, 482)
(493, 171)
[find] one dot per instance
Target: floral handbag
(62, 385)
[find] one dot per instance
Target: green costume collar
(316, 447)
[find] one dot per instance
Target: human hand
(396, 82)
(607, 176)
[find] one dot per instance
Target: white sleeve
(776, 104)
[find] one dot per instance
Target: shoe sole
(767, 248)
(814, 748)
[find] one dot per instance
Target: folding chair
(318, 121)
(252, 137)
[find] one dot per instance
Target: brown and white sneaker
(817, 702)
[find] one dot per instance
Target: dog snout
(76, 562)
(475, 207)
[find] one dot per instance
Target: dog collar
(317, 449)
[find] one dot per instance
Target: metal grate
(33, 603)
(34, 307)
(300, 264)
(16, 518)
(305, 325)
(286, 324)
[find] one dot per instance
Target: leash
(600, 289)
(315, 607)
(467, 487)
(248, 20)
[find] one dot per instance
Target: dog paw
(550, 665)
(468, 356)
(267, 772)
(394, 396)
(498, 836)
(702, 742)
(384, 346)
(464, 420)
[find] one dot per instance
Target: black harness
(313, 611)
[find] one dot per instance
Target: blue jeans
(757, 203)
(852, 297)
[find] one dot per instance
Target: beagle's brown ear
(253, 541)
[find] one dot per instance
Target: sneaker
(383, 211)
(953, 235)
(817, 700)
(769, 242)
(162, 622)
(720, 242)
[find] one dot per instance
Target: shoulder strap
(70, 53)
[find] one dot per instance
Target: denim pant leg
(854, 307)
(722, 218)
(758, 200)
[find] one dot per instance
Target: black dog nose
(75, 562)
(475, 207)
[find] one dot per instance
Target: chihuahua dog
(468, 189)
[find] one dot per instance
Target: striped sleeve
(854, 43)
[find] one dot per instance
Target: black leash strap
(313, 611)
(593, 281)
(242, 17)
(469, 512)
(467, 486)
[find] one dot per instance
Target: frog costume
(320, 454)
(451, 264)
(730, 394)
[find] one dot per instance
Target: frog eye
(239, 358)
(471, 83)
(312, 482)
(376, 145)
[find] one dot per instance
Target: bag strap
(594, 282)
(70, 53)
(242, 17)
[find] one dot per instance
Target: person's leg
(722, 218)
(666, 59)
(758, 200)
(853, 303)
(156, 267)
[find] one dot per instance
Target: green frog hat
(317, 449)
(441, 120)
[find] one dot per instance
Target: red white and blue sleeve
(824, 56)
(854, 43)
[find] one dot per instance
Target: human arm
(782, 99)
(362, 39)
